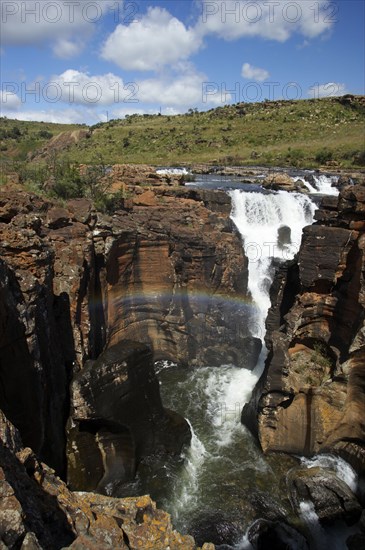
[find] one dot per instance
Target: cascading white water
(227, 389)
(212, 399)
(186, 486)
(271, 226)
(309, 516)
(324, 185)
(342, 469)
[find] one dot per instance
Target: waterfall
(309, 516)
(186, 485)
(271, 226)
(324, 185)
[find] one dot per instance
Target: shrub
(359, 158)
(45, 134)
(68, 183)
(324, 156)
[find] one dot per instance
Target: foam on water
(186, 487)
(309, 516)
(227, 389)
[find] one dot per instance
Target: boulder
(333, 500)
(284, 236)
(57, 217)
(279, 181)
(217, 529)
(276, 535)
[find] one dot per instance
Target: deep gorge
(88, 302)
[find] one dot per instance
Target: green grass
(297, 133)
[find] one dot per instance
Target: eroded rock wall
(162, 271)
(117, 419)
(310, 398)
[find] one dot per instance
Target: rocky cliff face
(311, 396)
(160, 272)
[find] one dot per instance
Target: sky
(81, 61)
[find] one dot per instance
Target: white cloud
(80, 88)
(172, 92)
(156, 40)
(331, 89)
(65, 48)
(9, 100)
(279, 20)
(65, 116)
(168, 111)
(30, 22)
(254, 73)
(185, 90)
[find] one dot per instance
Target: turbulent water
(222, 462)
(223, 476)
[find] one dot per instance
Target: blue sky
(88, 61)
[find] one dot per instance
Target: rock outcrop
(39, 512)
(131, 174)
(310, 398)
(283, 182)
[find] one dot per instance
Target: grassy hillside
(305, 133)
